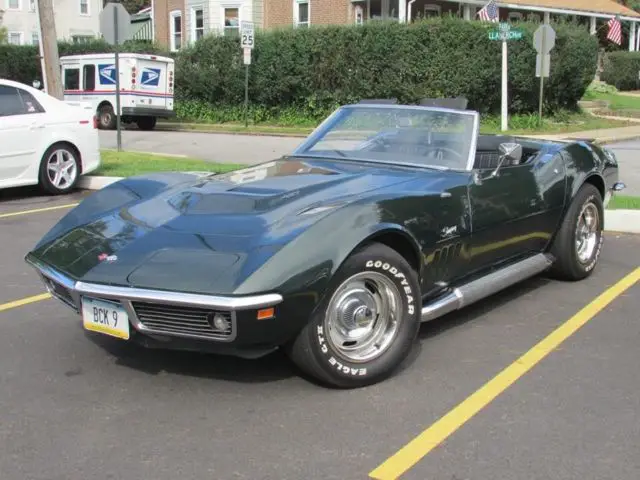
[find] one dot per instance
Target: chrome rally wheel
(363, 316)
(366, 323)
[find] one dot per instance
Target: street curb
(184, 128)
(94, 182)
(622, 221)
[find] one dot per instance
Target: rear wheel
(59, 169)
(578, 243)
(106, 117)
(146, 123)
(367, 323)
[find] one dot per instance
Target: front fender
(306, 263)
(117, 195)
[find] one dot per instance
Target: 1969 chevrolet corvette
(386, 216)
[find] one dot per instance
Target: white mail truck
(146, 86)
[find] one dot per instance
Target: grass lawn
(624, 202)
(616, 101)
(126, 164)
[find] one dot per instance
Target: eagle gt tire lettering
(366, 323)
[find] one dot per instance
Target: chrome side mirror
(509, 152)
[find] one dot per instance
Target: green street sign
(504, 32)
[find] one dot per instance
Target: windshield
(422, 136)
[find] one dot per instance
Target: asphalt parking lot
(74, 406)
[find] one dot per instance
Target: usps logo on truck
(107, 74)
(150, 77)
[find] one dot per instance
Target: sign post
(247, 41)
(544, 39)
(115, 24)
(504, 34)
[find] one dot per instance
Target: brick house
(180, 21)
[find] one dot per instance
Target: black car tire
(314, 351)
(146, 123)
(70, 153)
(567, 265)
(106, 117)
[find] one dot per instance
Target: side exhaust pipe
(486, 286)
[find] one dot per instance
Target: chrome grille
(184, 321)
(61, 292)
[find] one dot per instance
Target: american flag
(489, 12)
(615, 31)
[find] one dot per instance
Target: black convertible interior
(438, 148)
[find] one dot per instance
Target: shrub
(316, 69)
(621, 70)
(299, 74)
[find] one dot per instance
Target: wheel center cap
(363, 316)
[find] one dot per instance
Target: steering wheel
(438, 152)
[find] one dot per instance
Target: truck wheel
(367, 323)
(578, 243)
(106, 117)
(59, 169)
(146, 123)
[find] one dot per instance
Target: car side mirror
(511, 153)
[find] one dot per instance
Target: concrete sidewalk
(602, 136)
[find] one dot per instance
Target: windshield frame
(327, 125)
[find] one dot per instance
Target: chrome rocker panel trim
(127, 295)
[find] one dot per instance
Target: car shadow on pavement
(276, 366)
(431, 330)
(34, 197)
(272, 367)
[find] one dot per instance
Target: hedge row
(622, 70)
(313, 70)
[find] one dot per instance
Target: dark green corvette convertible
(386, 216)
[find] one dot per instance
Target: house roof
(606, 7)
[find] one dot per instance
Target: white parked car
(45, 141)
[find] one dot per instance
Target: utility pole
(49, 43)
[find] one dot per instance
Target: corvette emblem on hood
(109, 258)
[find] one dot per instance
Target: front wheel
(578, 243)
(367, 323)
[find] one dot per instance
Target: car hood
(206, 233)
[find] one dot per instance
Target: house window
(432, 10)
(231, 17)
(81, 38)
(35, 38)
(15, 38)
(301, 13)
(359, 15)
(197, 19)
(32, 5)
(175, 29)
(516, 16)
(13, 4)
(84, 7)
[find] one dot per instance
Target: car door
(21, 126)
(515, 212)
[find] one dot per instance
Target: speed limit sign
(246, 35)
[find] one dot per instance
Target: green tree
(132, 6)
(3, 35)
(632, 4)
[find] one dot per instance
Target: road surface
(249, 149)
(213, 147)
(77, 406)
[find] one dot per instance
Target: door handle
(37, 126)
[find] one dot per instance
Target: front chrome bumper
(176, 314)
(617, 187)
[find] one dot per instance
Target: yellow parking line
(24, 301)
(430, 438)
(37, 210)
